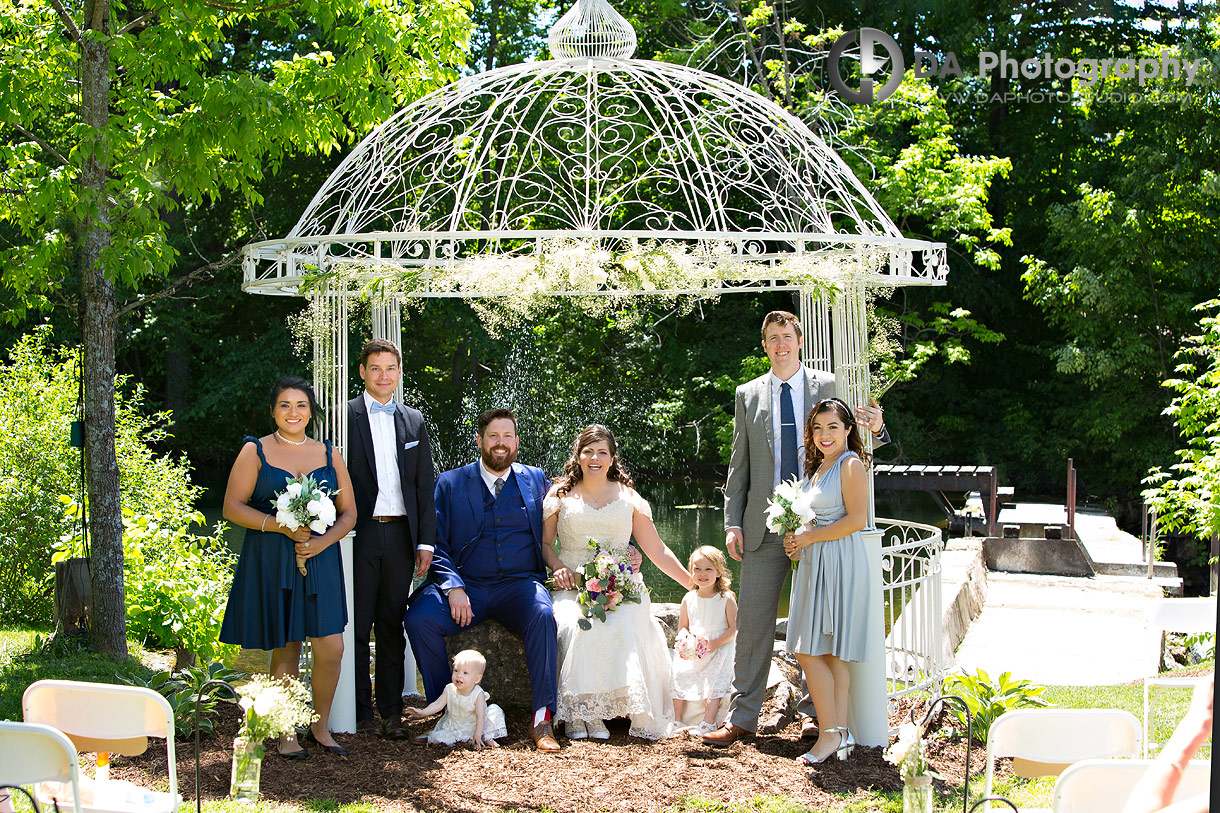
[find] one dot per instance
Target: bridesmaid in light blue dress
(828, 611)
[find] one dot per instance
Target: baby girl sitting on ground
(468, 716)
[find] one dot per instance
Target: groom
(488, 564)
(768, 447)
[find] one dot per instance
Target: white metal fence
(911, 568)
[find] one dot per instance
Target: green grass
(1169, 707)
(23, 661)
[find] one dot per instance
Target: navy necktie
(387, 407)
(787, 433)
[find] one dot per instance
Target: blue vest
(506, 548)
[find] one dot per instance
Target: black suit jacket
(415, 470)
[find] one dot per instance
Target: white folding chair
(31, 753)
(105, 717)
(1043, 742)
(1175, 615)
(1104, 785)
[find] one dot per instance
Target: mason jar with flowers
(907, 754)
(272, 706)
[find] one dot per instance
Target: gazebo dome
(594, 145)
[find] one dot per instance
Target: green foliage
(211, 99)
(917, 171)
(183, 689)
(1205, 640)
(987, 700)
(751, 368)
(1187, 498)
(177, 583)
(38, 389)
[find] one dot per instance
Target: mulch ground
(623, 774)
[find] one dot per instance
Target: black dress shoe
(393, 729)
(300, 753)
(333, 750)
(368, 725)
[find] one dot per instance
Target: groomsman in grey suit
(768, 447)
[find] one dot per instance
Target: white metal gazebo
(597, 174)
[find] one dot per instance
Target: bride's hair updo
(572, 475)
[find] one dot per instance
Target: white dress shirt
(385, 452)
(489, 479)
(797, 383)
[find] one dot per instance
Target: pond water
(688, 514)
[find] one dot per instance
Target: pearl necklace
(291, 442)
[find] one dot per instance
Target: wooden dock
(938, 479)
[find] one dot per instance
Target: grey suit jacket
(752, 464)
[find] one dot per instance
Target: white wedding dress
(619, 667)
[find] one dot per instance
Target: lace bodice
(609, 525)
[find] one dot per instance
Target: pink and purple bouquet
(691, 647)
(609, 581)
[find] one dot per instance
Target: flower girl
(468, 716)
(707, 633)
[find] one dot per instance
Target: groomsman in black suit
(393, 479)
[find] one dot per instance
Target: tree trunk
(108, 621)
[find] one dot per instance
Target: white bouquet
(304, 502)
(789, 509)
(273, 707)
(907, 753)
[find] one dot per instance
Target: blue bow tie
(387, 408)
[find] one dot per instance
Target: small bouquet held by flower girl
(304, 502)
(691, 647)
(609, 582)
(789, 509)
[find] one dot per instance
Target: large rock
(507, 679)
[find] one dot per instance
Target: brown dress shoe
(726, 735)
(393, 729)
(809, 728)
(368, 725)
(544, 737)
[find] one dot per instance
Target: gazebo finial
(591, 29)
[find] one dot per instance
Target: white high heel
(597, 730)
(576, 730)
(846, 744)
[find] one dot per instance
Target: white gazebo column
(815, 319)
(330, 385)
(868, 718)
(387, 324)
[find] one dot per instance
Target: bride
(619, 667)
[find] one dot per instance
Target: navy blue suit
(491, 547)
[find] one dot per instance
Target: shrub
(176, 583)
(38, 399)
(987, 700)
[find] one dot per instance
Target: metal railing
(911, 574)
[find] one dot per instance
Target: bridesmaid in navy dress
(271, 605)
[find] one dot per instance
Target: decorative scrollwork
(595, 145)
